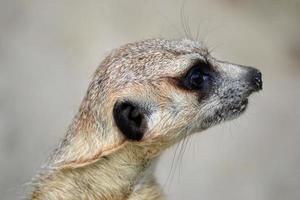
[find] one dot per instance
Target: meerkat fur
(141, 100)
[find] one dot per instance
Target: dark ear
(130, 119)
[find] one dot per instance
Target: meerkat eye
(197, 77)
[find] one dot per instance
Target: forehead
(181, 46)
(153, 58)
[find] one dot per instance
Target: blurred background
(49, 50)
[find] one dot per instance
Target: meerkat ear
(130, 118)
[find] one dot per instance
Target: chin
(236, 110)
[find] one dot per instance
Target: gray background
(49, 50)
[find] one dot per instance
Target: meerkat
(143, 98)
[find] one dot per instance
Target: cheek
(185, 109)
(176, 114)
(204, 110)
(184, 101)
(209, 106)
(154, 119)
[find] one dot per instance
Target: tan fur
(95, 160)
(113, 177)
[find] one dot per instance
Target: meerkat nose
(258, 80)
(255, 79)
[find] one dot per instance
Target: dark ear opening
(130, 119)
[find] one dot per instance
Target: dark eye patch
(198, 77)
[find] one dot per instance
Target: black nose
(255, 79)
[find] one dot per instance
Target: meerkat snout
(255, 79)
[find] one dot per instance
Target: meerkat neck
(126, 174)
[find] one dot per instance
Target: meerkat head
(156, 91)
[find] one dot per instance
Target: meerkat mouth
(244, 105)
(226, 113)
(241, 108)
